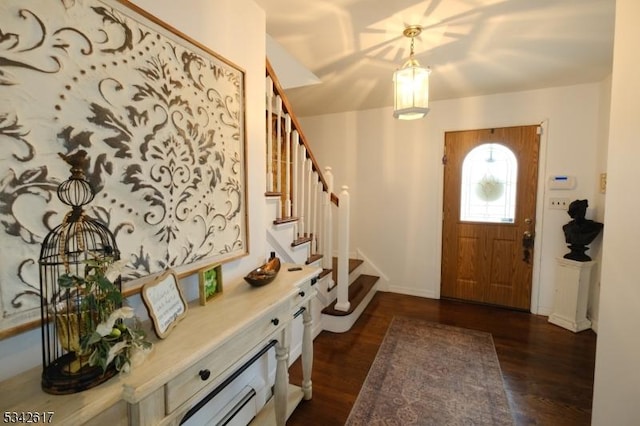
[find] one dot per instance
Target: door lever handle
(527, 245)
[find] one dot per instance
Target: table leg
(307, 352)
(282, 378)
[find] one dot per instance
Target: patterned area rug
(432, 374)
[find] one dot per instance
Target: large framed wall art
(162, 119)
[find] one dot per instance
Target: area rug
(432, 374)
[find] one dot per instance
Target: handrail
(296, 125)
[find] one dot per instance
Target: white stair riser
(341, 324)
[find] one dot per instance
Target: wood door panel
(467, 249)
(483, 262)
(467, 290)
(467, 284)
(501, 254)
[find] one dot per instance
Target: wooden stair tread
(313, 258)
(324, 273)
(357, 292)
(353, 264)
(300, 241)
(283, 220)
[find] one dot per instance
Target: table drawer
(304, 291)
(301, 297)
(209, 368)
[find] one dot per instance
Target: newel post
(342, 304)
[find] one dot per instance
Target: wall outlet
(559, 203)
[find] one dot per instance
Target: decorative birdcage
(70, 313)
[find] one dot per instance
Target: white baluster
(316, 207)
(279, 153)
(309, 192)
(312, 210)
(327, 261)
(269, 134)
(301, 202)
(320, 220)
(343, 304)
(287, 167)
(295, 179)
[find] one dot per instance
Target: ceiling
(473, 47)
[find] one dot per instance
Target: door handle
(527, 246)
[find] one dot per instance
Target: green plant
(113, 334)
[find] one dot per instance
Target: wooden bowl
(264, 274)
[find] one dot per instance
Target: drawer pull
(301, 294)
(204, 374)
(275, 321)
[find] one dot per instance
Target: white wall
(395, 175)
(599, 200)
(226, 27)
(617, 374)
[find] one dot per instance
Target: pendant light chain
(412, 41)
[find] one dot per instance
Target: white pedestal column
(572, 294)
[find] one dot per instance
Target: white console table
(206, 347)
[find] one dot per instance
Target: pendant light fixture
(411, 84)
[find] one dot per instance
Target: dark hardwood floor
(547, 370)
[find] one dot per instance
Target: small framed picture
(165, 302)
(210, 283)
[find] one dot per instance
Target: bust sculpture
(580, 232)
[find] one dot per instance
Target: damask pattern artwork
(161, 117)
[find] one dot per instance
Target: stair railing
(305, 194)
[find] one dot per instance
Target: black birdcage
(66, 318)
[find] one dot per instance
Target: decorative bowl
(264, 274)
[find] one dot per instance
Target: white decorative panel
(161, 118)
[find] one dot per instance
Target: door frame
(540, 202)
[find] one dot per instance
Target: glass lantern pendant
(411, 85)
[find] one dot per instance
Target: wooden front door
(490, 186)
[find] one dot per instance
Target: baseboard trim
(429, 294)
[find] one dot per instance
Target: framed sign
(165, 302)
(210, 283)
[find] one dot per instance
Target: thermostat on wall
(562, 182)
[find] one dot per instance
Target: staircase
(302, 207)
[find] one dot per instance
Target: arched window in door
(489, 181)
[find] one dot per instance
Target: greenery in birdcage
(114, 334)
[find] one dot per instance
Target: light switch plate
(559, 203)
